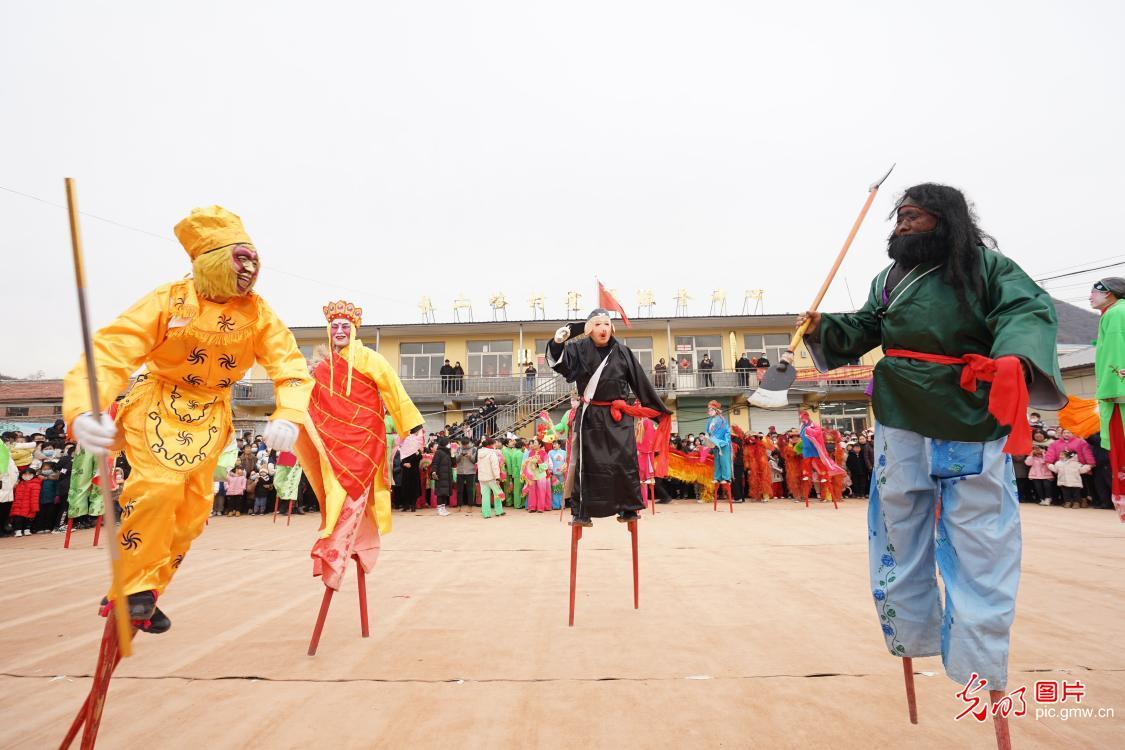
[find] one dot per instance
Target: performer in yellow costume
(344, 446)
(196, 338)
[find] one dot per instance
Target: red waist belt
(1008, 400)
(620, 407)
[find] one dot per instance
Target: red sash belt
(1008, 400)
(619, 407)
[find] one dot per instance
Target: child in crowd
(777, 479)
(236, 488)
(25, 504)
(46, 520)
(1070, 471)
(262, 492)
(1040, 474)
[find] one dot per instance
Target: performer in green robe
(85, 497)
(969, 339)
(513, 466)
(1109, 373)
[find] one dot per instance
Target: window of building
(642, 347)
(15, 411)
(845, 416)
(691, 349)
(421, 361)
(771, 345)
(490, 359)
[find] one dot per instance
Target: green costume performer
(513, 485)
(969, 339)
(84, 498)
(1109, 372)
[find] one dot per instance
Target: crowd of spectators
(1062, 469)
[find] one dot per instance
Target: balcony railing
(548, 386)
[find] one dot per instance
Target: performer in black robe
(602, 476)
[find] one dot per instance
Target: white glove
(562, 334)
(95, 435)
(280, 435)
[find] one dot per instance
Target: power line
(1076, 273)
(165, 238)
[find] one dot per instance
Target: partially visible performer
(718, 435)
(603, 479)
(196, 338)
(967, 335)
(287, 480)
(1109, 373)
(816, 461)
(645, 436)
(756, 460)
(344, 450)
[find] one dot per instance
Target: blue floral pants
(976, 547)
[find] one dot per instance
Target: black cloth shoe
(627, 516)
(585, 522)
(157, 624)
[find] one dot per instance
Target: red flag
(609, 302)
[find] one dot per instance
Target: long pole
(124, 626)
(839, 260)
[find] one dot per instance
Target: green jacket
(1014, 316)
(1109, 364)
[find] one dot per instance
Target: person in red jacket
(25, 502)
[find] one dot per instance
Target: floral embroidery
(887, 612)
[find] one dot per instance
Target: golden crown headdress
(343, 309)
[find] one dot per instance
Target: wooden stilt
(636, 572)
(327, 600)
(730, 497)
(908, 677)
(97, 530)
(834, 503)
(575, 535)
(90, 714)
(362, 583)
(1000, 723)
(69, 527)
(276, 502)
(289, 520)
(715, 501)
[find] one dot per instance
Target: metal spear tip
(879, 183)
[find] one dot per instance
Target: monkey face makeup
(226, 272)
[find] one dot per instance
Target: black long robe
(604, 462)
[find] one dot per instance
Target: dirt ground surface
(755, 630)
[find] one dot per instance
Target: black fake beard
(910, 250)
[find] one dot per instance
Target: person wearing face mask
(195, 338)
(604, 479)
(1109, 372)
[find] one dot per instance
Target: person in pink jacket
(1040, 475)
(1072, 443)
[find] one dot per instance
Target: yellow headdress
(354, 315)
(210, 228)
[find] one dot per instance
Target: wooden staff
(124, 630)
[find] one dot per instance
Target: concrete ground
(756, 629)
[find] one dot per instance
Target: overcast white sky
(385, 151)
